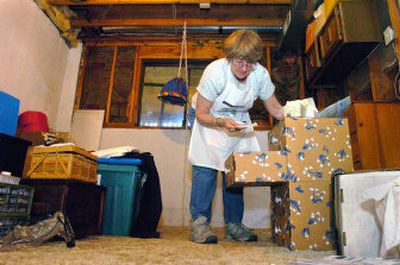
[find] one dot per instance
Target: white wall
(37, 67)
(33, 57)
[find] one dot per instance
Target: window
(107, 82)
(154, 112)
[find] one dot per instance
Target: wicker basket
(63, 162)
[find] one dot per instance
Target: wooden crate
(63, 162)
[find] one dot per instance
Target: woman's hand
(274, 108)
(229, 124)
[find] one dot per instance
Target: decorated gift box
(301, 149)
(301, 215)
(304, 154)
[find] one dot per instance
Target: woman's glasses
(242, 63)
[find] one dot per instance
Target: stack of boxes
(304, 154)
(64, 177)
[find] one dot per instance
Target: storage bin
(9, 108)
(63, 162)
(15, 206)
(32, 121)
(15, 200)
(7, 223)
(82, 203)
(123, 183)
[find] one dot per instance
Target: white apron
(210, 147)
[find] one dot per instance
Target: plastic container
(15, 200)
(124, 184)
(9, 108)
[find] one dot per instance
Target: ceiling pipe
(204, 29)
(157, 2)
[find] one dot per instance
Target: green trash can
(124, 184)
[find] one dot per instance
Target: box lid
(63, 148)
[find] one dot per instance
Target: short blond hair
(244, 44)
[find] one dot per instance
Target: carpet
(173, 247)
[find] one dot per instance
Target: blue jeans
(204, 183)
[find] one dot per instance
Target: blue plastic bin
(124, 184)
(9, 108)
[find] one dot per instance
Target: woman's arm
(204, 117)
(274, 108)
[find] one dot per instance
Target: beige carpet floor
(173, 247)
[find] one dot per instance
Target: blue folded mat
(120, 161)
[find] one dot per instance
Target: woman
(227, 90)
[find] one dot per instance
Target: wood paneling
(375, 132)
(394, 13)
(381, 81)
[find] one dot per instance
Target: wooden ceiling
(80, 19)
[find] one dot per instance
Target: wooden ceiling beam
(173, 22)
(158, 2)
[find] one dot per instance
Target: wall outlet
(388, 35)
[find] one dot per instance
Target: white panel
(86, 128)
(357, 214)
(353, 185)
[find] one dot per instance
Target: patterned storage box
(63, 162)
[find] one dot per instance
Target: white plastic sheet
(387, 201)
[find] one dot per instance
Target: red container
(32, 121)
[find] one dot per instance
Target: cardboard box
(256, 168)
(38, 138)
(305, 152)
(316, 148)
(35, 137)
(302, 149)
(303, 219)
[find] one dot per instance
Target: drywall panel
(86, 128)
